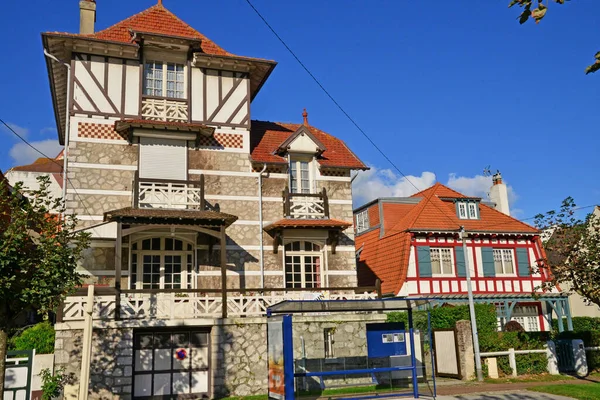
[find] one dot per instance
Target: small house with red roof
(412, 244)
(43, 166)
(197, 212)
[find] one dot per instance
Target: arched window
(161, 263)
(303, 262)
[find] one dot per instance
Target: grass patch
(590, 391)
(531, 378)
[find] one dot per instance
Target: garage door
(171, 364)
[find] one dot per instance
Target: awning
(130, 215)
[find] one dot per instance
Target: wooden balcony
(305, 205)
(173, 194)
(176, 304)
(163, 109)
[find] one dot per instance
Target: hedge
(39, 337)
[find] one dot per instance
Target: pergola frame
(557, 302)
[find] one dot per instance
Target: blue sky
(446, 88)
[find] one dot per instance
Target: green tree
(540, 12)
(39, 251)
(573, 250)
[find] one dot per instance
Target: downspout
(66, 149)
(260, 225)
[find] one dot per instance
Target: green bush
(39, 337)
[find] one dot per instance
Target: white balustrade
(164, 110)
(191, 305)
(168, 195)
(307, 206)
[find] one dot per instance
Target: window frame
(503, 251)
(362, 221)
(468, 206)
(297, 161)
(439, 249)
(164, 78)
(188, 275)
(302, 253)
(328, 342)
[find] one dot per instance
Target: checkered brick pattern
(98, 131)
(223, 140)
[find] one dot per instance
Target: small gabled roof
(302, 130)
(42, 164)
(267, 137)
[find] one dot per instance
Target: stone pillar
(67, 355)
(464, 341)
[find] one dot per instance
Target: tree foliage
(573, 250)
(538, 13)
(39, 251)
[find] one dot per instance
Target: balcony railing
(159, 193)
(305, 205)
(159, 109)
(198, 303)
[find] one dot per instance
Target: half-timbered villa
(412, 244)
(200, 216)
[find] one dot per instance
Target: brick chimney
(499, 194)
(87, 16)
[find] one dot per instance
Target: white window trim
(514, 266)
(442, 274)
(297, 158)
(139, 283)
(164, 77)
(303, 253)
(467, 205)
(362, 221)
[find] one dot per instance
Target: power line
(338, 105)
(52, 160)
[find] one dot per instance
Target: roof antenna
(487, 171)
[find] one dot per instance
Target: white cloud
(22, 154)
(375, 183)
(23, 132)
(48, 130)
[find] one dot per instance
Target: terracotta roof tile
(42, 164)
(266, 137)
(308, 223)
(158, 20)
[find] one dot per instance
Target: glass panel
(143, 385)
(508, 261)
(181, 382)
(162, 359)
(200, 382)
(143, 360)
(199, 358)
(436, 267)
(178, 245)
(183, 363)
(498, 261)
(446, 255)
(168, 244)
(472, 210)
(162, 384)
(146, 244)
(156, 244)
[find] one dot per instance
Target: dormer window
(467, 209)
(164, 79)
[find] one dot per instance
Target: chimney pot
(87, 16)
(305, 117)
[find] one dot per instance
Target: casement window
(301, 180)
(164, 79)
(467, 210)
(303, 262)
(161, 263)
(527, 316)
(441, 261)
(362, 221)
(504, 262)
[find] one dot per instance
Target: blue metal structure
(386, 339)
(287, 308)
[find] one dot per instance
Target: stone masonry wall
(111, 369)
(103, 153)
(67, 355)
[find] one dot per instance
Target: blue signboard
(280, 358)
(386, 339)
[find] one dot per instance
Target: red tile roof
(42, 164)
(158, 20)
(266, 137)
(386, 258)
(308, 223)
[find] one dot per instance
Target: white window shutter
(163, 158)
